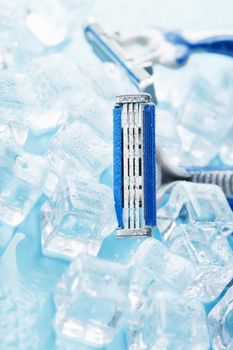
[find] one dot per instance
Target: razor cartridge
(134, 165)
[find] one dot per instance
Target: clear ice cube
(92, 300)
(22, 178)
(203, 117)
(155, 257)
(220, 322)
(59, 84)
(21, 181)
(77, 218)
(210, 254)
(193, 221)
(78, 147)
(169, 322)
(202, 205)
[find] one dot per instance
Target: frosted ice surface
(78, 148)
(96, 112)
(18, 101)
(77, 218)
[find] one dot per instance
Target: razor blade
(134, 165)
(109, 48)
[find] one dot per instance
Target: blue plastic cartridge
(134, 164)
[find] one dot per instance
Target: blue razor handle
(219, 44)
(134, 165)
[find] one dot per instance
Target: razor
(109, 48)
(155, 46)
(140, 169)
(134, 165)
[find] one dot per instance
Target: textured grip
(219, 45)
(223, 178)
(117, 161)
(149, 165)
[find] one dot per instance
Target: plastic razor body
(134, 165)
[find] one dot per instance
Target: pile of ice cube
(56, 146)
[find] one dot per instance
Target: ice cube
(52, 22)
(207, 117)
(167, 267)
(169, 322)
(30, 28)
(41, 98)
(220, 322)
(54, 75)
(211, 256)
(96, 112)
(17, 43)
(92, 300)
(167, 135)
(226, 150)
(59, 84)
(21, 181)
(202, 205)
(193, 221)
(203, 117)
(77, 147)
(67, 93)
(77, 218)
(197, 115)
(18, 101)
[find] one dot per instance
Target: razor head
(134, 165)
(109, 48)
